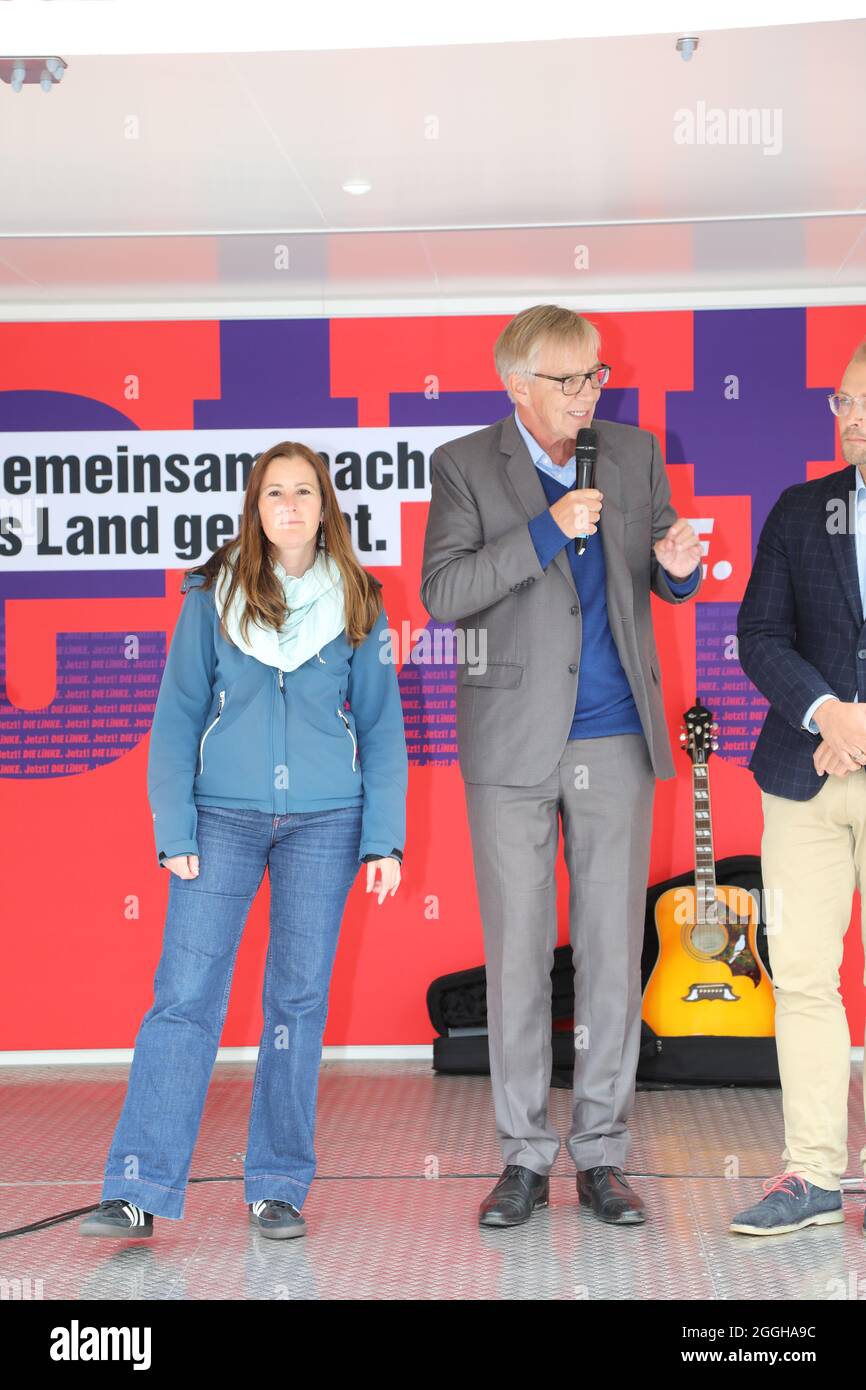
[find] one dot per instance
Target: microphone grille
(586, 442)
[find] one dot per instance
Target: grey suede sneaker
(791, 1203)
(276, 1219)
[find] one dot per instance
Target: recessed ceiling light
(357, 186)
(687, 46)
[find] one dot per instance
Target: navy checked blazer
(800, 629)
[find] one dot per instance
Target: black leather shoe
(605, 1189)
(514, 1198)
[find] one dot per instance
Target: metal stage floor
(380, 1227)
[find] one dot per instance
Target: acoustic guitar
(709, 978)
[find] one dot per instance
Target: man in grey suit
(563, 718)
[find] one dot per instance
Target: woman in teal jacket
(277, 742)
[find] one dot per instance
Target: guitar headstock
(698, 732)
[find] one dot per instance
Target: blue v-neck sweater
(605, 704)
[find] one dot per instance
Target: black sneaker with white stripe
(117, 1217)
(278, 1220)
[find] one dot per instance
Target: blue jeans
(312, 860)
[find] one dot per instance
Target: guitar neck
(705, 867)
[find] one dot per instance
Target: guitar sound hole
(708, 938)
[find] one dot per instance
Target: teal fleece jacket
(229, 730)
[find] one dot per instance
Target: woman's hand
(184, 865)
(389, 881)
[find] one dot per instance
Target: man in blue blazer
(802, 642)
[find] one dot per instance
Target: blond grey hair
(518, 346)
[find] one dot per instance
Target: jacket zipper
(351, 736)
(207, 731)
(283, 810)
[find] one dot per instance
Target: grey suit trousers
(603, 790)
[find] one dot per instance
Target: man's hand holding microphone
(678, 552)
(577, 512)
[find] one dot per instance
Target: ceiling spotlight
(51, 73)
(686, 47)
(47, 72)
(357, 186)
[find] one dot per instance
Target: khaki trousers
(812, 854)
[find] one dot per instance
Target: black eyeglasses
(573, 385)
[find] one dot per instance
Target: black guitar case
(457, 1005)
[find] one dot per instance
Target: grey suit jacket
(480, 571)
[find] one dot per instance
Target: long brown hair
(251, 567)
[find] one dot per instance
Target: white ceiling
(145, 178)
(269, 26)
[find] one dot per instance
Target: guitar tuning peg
(714, 743)
(714, 727)
(682, 738)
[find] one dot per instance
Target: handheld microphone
(585, 454)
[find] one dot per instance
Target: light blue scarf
(316, 615)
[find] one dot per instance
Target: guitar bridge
(697, 993)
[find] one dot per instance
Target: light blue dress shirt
(860, 547)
